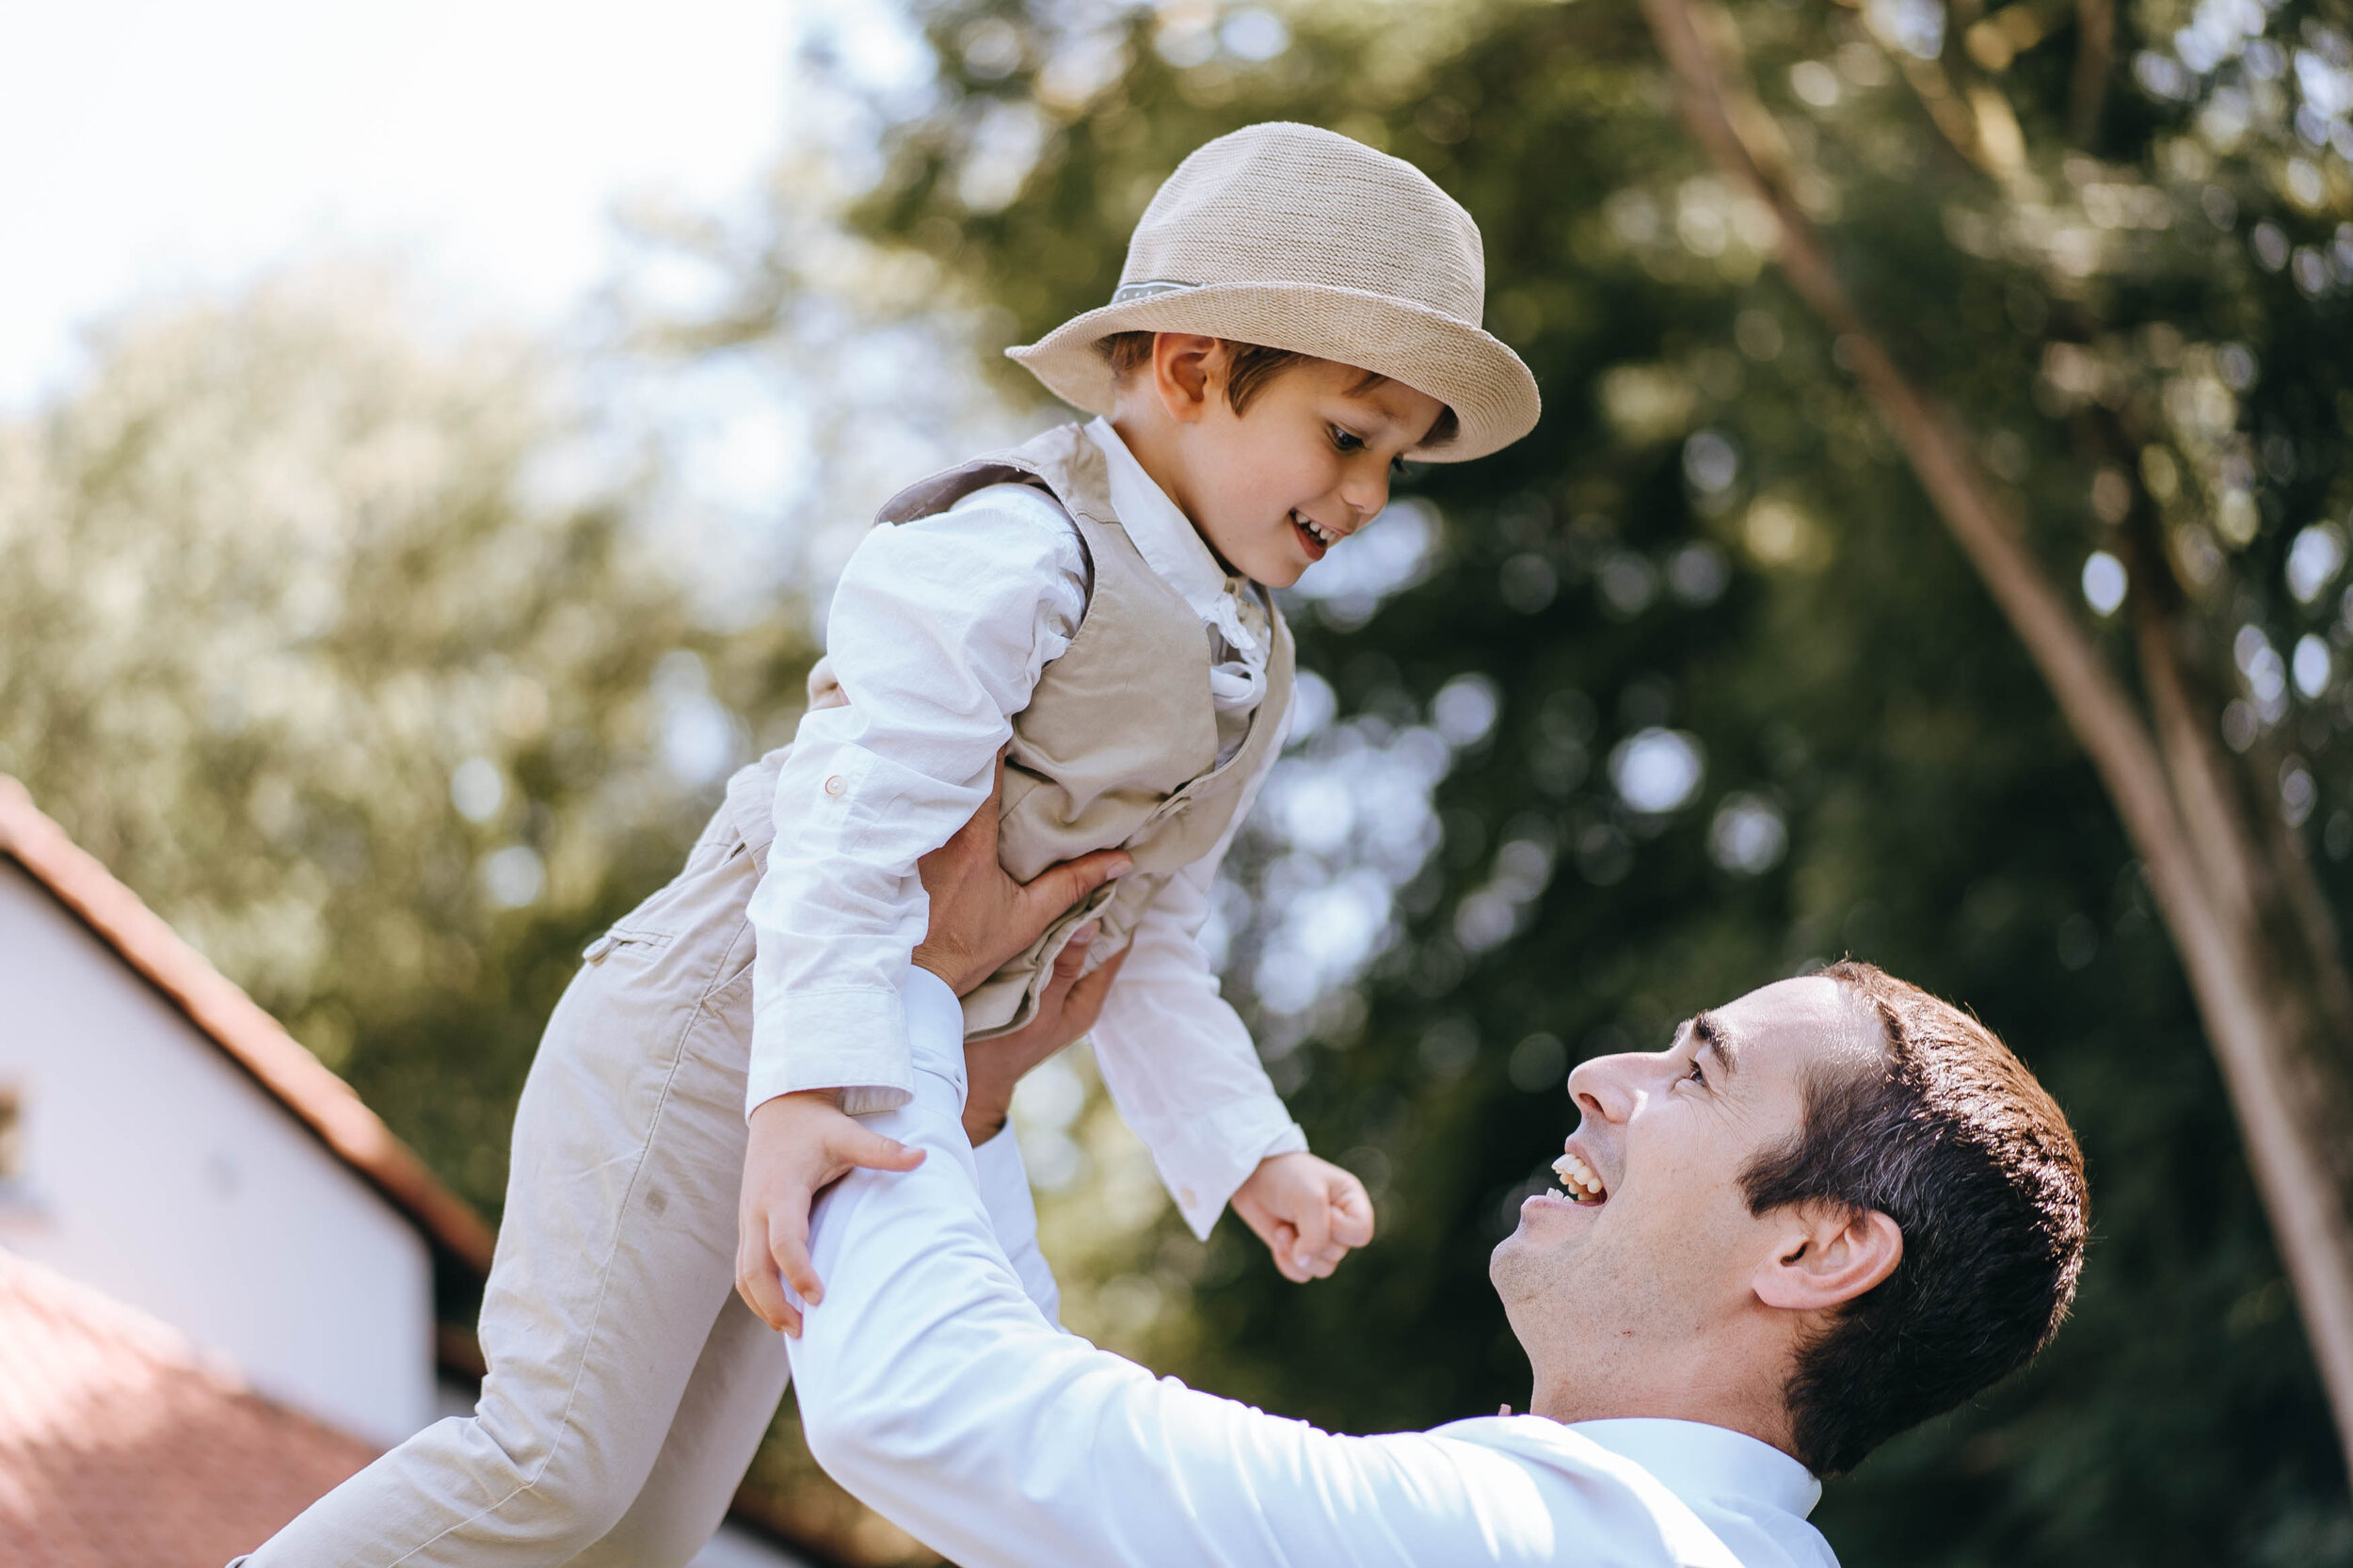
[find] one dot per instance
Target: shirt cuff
(934, 1028)
(1203, 1182)
(1292, 1140)
(854, 1041)
(1001, 1174)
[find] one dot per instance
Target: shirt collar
(1163, 535)
(1697, 1461)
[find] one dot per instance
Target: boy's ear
(1188, 371)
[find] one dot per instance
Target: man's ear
(1824, 1258)
(1187, 371)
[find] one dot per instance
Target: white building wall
(154, 1168)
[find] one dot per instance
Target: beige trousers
(628, 1386)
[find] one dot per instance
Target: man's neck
(1685, 1390)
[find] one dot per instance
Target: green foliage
(1709, 546)
(319, 636)
(322, 634)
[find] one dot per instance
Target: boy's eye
(1397, 465)
(1346, 441)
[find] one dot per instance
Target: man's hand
(1066, 1009)
(1308, 1211)
(800, 1144)
(980, 916)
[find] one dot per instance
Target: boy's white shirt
(938, 630)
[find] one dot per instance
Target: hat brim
(1492, 393)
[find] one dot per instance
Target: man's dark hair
(1250, 367)
(1954, 1140)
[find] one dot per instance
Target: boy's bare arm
(801, 1143)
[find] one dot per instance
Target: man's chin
(1541, 1250)
(1519, 1267)
(1506, 1269)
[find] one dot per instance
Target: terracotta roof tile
(121, 1448)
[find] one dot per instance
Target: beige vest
(1118, 746)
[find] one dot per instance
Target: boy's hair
(1250, 369)
(1954, 1140)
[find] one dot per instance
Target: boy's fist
(800, 1145)
(1308, 1211)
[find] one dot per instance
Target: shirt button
(1184, 1194)
(837, 784)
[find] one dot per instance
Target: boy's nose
(1366, 496)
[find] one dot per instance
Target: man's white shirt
(934, 1388)
(938, 633)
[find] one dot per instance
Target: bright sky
(146, 146)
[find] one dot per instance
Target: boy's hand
(1308, 1211)
(800, 1144)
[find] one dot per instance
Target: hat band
(1128, 293)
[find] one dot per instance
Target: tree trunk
(2228, 879)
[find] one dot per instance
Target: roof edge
(238, 1025)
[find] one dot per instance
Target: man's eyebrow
(1712, 1036)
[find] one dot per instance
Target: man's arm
(1004, 1187)
(933, 1388)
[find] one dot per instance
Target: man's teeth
(1323, 536)
(1578, 1178)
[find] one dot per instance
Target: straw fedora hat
(1292, 237)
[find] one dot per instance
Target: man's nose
(1603, 1087)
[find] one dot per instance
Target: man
(1830, 1209)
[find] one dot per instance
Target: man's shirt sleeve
(933, 1388)
(1004, 1187)
(938, 633)
(1179, 1062)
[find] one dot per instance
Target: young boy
(1297, 314)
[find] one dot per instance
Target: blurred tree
(1685, 692)
(2229, 872)
(343, 646)
(390, 663)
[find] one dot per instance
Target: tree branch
(2095, 51)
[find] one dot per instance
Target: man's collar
(1696, 1460)
(1163, 535)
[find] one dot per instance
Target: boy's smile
(1274, 487)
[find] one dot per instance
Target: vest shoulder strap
(1064, 462)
